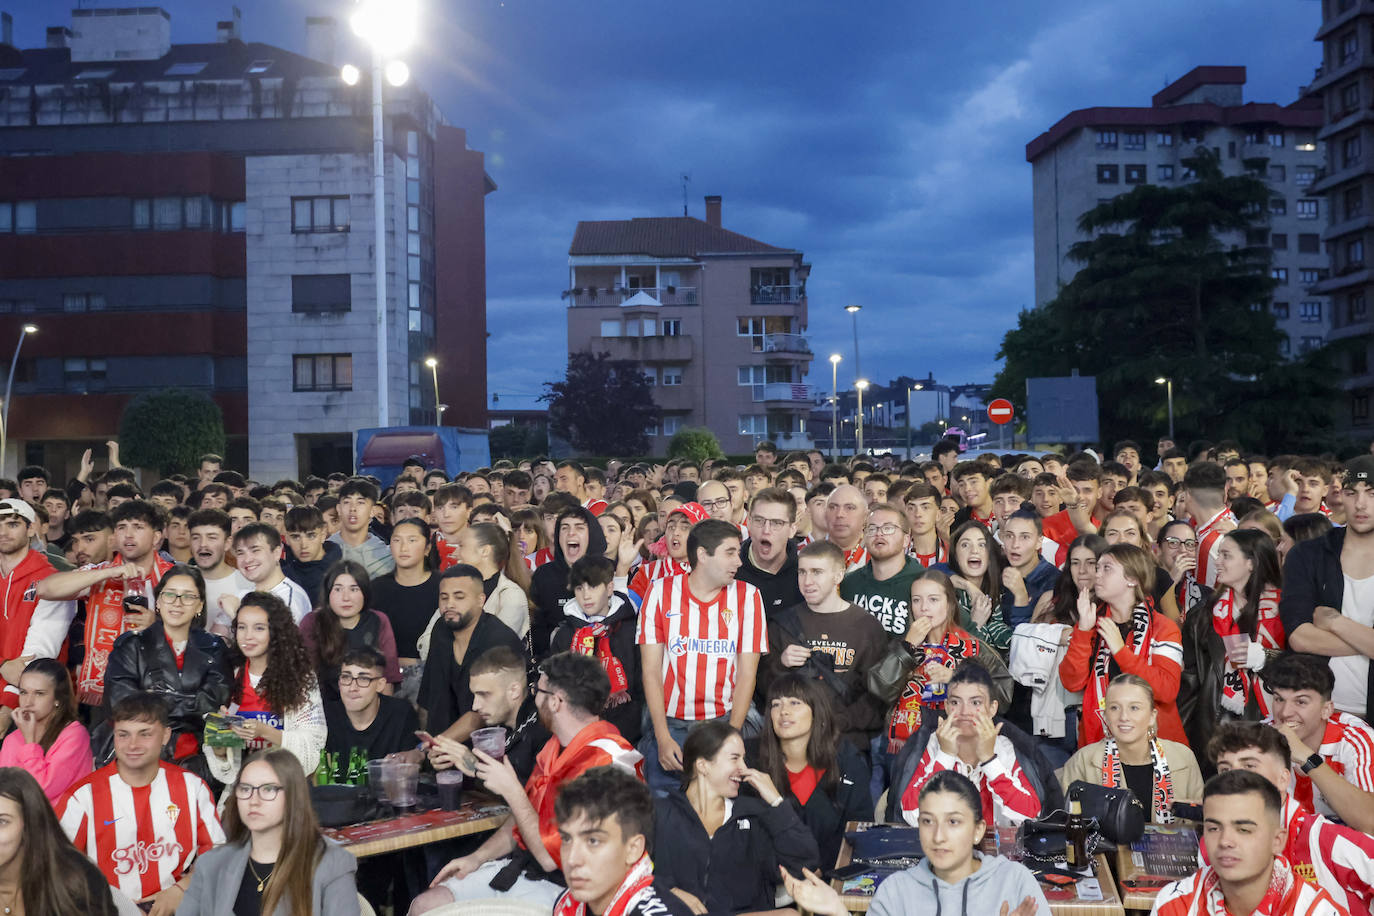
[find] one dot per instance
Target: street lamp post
(917, 387)
(433, 365)
(9, 387)
(853, 311)
(834, 403)
(860, 386)
(1168, 384)
(388, 27)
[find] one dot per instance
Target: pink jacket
(66, 762)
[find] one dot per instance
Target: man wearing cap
(1327, 605)
(31, 627)
(676, 527)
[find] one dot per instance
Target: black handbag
(889, 675)
(1119, 814)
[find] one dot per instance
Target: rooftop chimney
(120, 33)
(59, 36)
(320, 32)
(230, 29)
(6, 29)
(713, 209)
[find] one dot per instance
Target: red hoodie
(21, 606)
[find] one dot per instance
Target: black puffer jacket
(549, 585)
(621, 622)
(827, 812)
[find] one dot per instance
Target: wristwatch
(1311, 763)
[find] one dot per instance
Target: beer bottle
(322, 770)
(1076, 835)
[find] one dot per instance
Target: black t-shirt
(391, 732)
(1140, 779)
(249, 900)
(526, 739)
(408, 607)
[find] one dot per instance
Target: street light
(1168, 384)
(433, 365)
(917, 387)
(860, 386)
(834, 403)
(388, 27)
(9, 386)
(853, 311)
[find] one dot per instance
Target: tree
(170, 429)
(603, 405)
(695, 444)
(1170, 286)
(507, 441)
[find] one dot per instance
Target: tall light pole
(388, 27)
(834, 404)
(433, 365)
(917, 387)
(1168, 384)
(860, 386)
(9, 387)
(853, 311)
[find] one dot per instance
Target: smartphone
(426, 739)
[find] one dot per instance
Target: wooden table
(376, 837)
(1062, 902)
(1164, 854)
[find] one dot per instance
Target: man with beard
(768, 561)
(577, 534)
(462, 636)
(519, 860)
(209, 544)
(501, 697)
(33, 628)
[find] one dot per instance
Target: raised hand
(1087, 610)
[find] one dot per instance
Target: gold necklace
(262, 882)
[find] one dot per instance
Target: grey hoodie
(997, 881)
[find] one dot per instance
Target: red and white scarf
(106, 622)
(1161, 796)
(1280, 899)
(905, 719)
(594, 639)
(639, 882)
(1140, 642)
(1237, 683)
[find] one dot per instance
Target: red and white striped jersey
(856, 558)
(1209, 542)
(1337, 859)
(142, 838)
(651, 571)
(1348, 748)
(941, 555)
(595, 506)
(1200, 895)
(1008, 796)
(447, 551)
(703, 642)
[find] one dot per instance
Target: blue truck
(382, 451)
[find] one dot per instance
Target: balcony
(585, 297)
(777, 295)
(794, 345)
(675, 349)
(785, 394)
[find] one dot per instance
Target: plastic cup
(450, 783)
(1234, 641)
(376, 780)
(490, 741)
(401, 781)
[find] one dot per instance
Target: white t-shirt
(294, 596)
(1352, 671)
(233, 584)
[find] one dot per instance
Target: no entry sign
(1000, 411)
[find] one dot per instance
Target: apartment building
(1093, 154)
(1346, 82)
(201, 216)
(716, 320)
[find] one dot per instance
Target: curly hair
(289, 676)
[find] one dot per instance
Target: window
(21, 216)
(1285, 346)
(1135, 174)
(1359, 405)
(1257, 237)
(1106, 139)
(1133, 139)
(1280, 310)
(1354, 253)
(1278, 207)
(311, 293)
(1310, 312)
(610, 327)
(81, 375)
(83, 302)
(1307, 208)
(648, 327)
(1164, 138)
(751, 375)
(1309, 276)
(672, 327)
(671, 425)
(259, 66)
(651, 429)
(1253, 137)
(100, 74)
(1164, 173)
(753, 424)
(319, 214)
(322, 372)
(185, 68)
(1308, 344)
(1309, 243)
(1189, 173)
(1276, 138)
(651, 375)
(1108, 174)
(1279, 241)
(1280, 274)
(1359, 361)
(1350, 47)
(1231, 149)
(11, 73)
(1355, 308)
(1350, 97)
(1305, 175)
(752, 328)
(1353, 202)
(166, 213)
(1350, 151)
(672, 376)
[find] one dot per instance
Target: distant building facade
(716, 320)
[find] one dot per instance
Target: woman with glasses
(274, 861)
(177, 659)
(344, 620)
(1175, 553)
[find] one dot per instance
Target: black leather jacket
(144, 661)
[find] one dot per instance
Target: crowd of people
(703, 672)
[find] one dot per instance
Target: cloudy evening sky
(883, 139)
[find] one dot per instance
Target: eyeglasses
(363, 680)
(767, 524)
(267, 792)
(182, 598)
(721, 503)
(1191, 543)
(889, 529)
